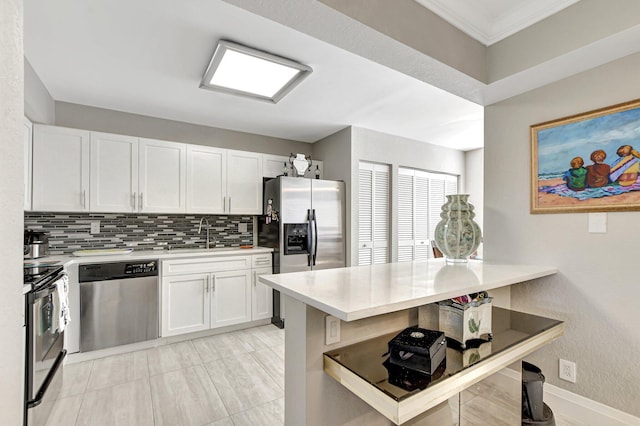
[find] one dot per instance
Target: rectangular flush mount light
(241, 70)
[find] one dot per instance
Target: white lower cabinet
(186, 305)
(210, 292)
(262, 296)
(230, 298)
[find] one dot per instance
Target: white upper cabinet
(206, 179)
(162, 176)
(114, 173)
(27, 138)
(60, 169)
(244, 182)
(273, 165)
(81, 171)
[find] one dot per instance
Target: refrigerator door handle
(309, 236)
(315, 236)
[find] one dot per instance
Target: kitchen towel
(62, 316)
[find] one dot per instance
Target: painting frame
(548, 195)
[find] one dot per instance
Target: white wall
(474, 185)
(596, 290)
(110, 121)
(414, 25)
(579, 25)
(11, 215)
(39, 106)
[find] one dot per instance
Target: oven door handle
(47, 381)
(39, 294)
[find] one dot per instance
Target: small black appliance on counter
(418, 349)
(36, 244)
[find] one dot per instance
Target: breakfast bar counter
(372, 303)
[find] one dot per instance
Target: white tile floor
(231, 379)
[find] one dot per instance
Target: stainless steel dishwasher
(118, 303)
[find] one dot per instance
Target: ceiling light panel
(241, 70)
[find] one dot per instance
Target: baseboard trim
(584, 410)
(578, 408)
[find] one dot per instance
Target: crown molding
(478, 21)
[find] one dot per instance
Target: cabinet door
(261, 297)
(244, 182)
(206, 179)
(28, 152)
(60, 169)
(231, 298)
(162, 176)
(273, 165)
(185, 303)
(114, 173)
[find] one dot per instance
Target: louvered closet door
(373, 228)
(365, 214)
(421, 198)
(405, 214)
(381, 210)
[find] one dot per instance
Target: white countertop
(364, 291)
(67, 260)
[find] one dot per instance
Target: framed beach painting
(588, 162)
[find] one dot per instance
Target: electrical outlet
(567, 370)
(95, 226)
(331, 330)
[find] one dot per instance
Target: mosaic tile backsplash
(71, 231)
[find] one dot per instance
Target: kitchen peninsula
(379, 300)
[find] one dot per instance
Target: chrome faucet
(200, 229)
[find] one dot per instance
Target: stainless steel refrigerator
(304, 223)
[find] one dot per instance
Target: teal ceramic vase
(457, 235)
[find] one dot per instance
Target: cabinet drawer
(261, 260)
(205, 264)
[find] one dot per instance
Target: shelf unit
(359, 367)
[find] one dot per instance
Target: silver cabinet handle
(224, 204)
(206, 285)
(84, 198)
(213, 284)
(141, 205)
(255, 278)
(133, 201)
(229, 204)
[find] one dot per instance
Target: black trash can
(534, 410)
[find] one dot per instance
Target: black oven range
(44, 328)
